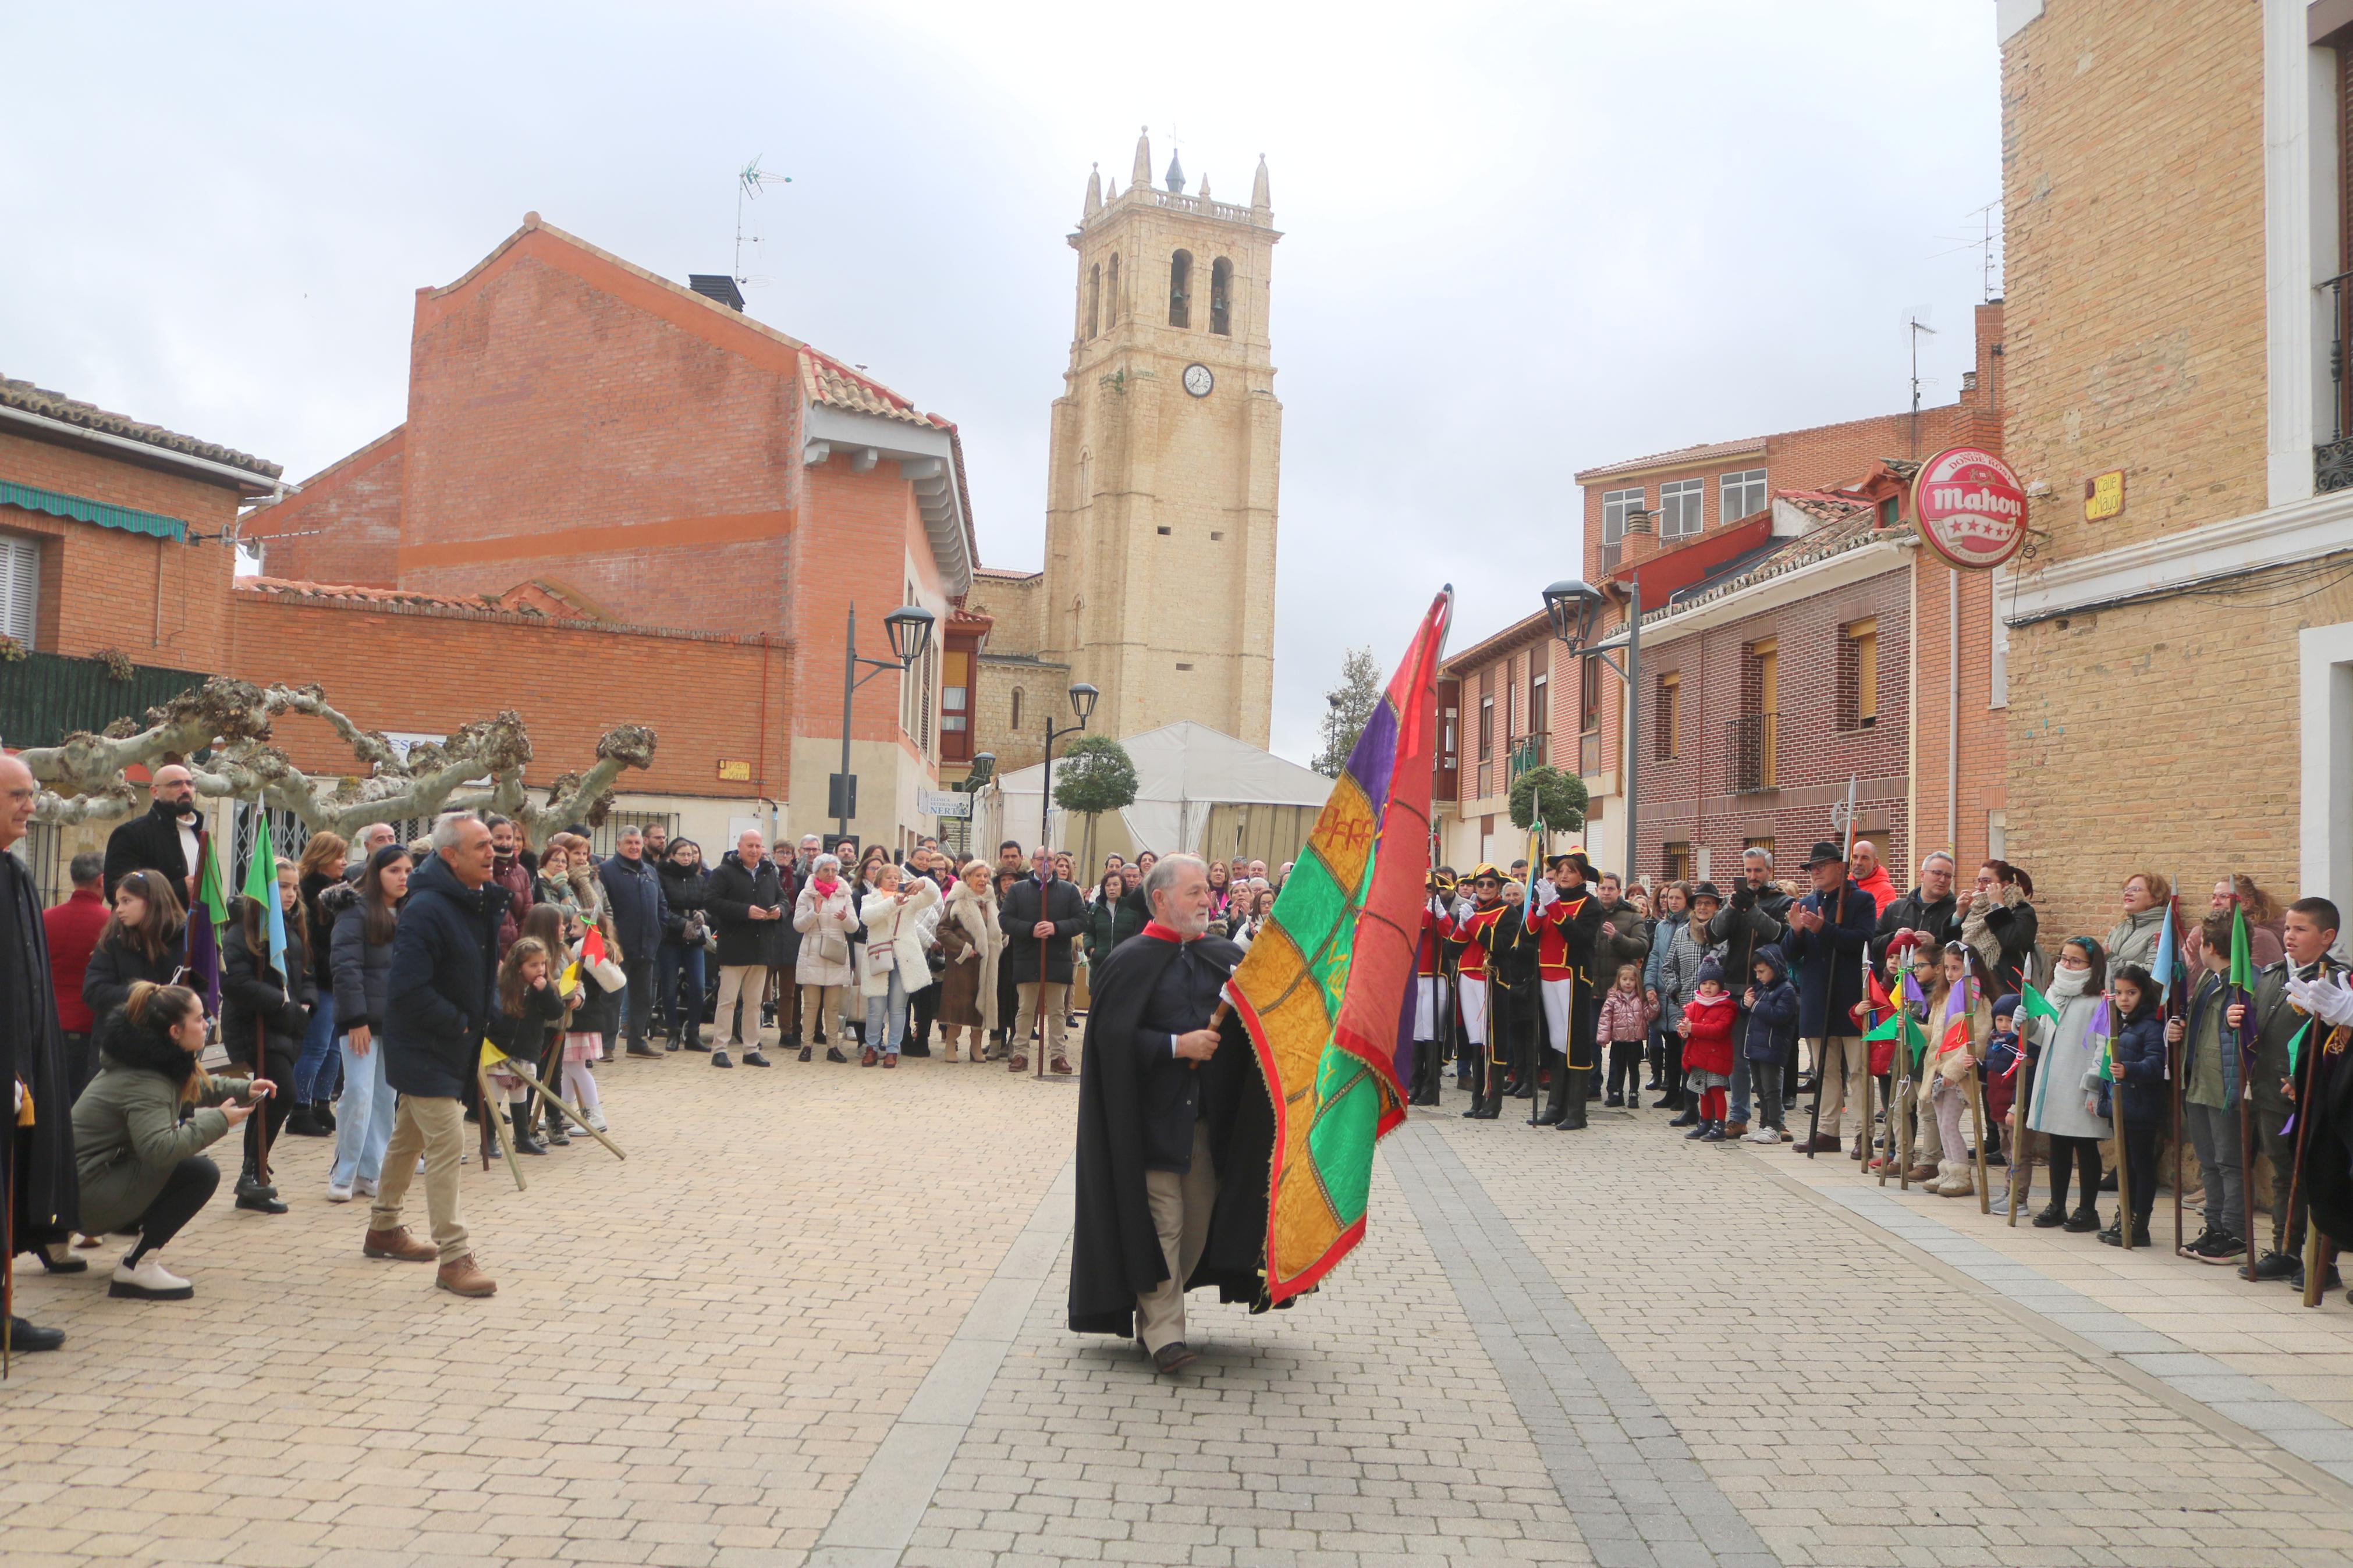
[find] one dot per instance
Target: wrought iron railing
(1752, 753)
(2332, 459)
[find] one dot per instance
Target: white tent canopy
(1183, 772)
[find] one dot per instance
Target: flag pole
(2021, 1182)
(1822, 1068)
(1978, 1125)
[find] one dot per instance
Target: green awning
(97, 511)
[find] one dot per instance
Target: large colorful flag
(261, 887)
(205, 922)
(1325, 990)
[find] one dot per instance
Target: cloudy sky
(1519, 239)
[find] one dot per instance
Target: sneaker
(338, 1194)
(1615, 1100)
(1763, 1135)
(2218, 1247)
(2272, 1266)
(148, 1280)
(594, 1118)
(363, 1187)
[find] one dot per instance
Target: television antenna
(749, 184)
(1986, 242)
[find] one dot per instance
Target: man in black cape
(1176, 1131)
(43, 1190)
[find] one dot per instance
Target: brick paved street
(815, 1317)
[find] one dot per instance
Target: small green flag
(1916, 1039)
(2038, 1005)
(2295, 1046)
(1888, 1028)
(2242, 960)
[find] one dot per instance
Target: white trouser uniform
(1558, 994)
(1429, 1005)
(1474, 1007)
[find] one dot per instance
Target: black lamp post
(910, 631)
(1574, 607)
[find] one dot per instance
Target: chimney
(716, 286)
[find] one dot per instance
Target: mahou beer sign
(1970, 508)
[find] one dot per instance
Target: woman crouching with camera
(139, 1128)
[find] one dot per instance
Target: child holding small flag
(2058, 1107)
(1960, 1022)
(528, 1004)
(266, 993)
(2136, 1060)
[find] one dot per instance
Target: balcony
(1528, 752)
(1588, 752)
(46, 696)
(1753, 737)
(1611, 555)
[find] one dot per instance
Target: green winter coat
(128, 1128)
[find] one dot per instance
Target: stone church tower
(1158, 584)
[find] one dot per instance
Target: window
(1890, 511)
(1539, 700)
(1682, 506)
(1615, 505)
(20, 588)
(1670, 716)
(1767, 659)
(1221, 293)
(1184, 666)
(1111, 317)
(1094, 300)
(1589, 716)
(955, 707)
(1015, 722)
(1162, 531)
(1181, 289)
(1998, 662)
(1740, 495)
(1678, 862)
(1486, 732)
(1859, 674)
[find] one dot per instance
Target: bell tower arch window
(1111, 318)
(1221, 294)
(1181, 289)
(1094, 300)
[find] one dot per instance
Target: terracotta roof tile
(828, 380)
(1707, 452)
(528, 598)
(66, 410)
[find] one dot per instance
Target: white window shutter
(20, 588)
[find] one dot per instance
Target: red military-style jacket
(1475, 934)
(1564, 932)
(1430, 951)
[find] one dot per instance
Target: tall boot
(1476, 1083)
(1556, 1105)
(1572, 1119)
(1491, 1104)
(519, 1127)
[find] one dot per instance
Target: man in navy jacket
(640, 916)
(439, 996)
(1830, 932)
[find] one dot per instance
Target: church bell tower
(1160, 485)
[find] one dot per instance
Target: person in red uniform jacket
(1565, 930)
(1433, 996)
(73, 927)
(1490, 927)
(1707, 1030)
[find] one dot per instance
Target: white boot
(148, 1280)
(1957, 1179)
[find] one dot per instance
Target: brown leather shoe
(462, 1277)
(1921, 1172)
(1017, 1063)
(399, 1246)
(1059, 1064)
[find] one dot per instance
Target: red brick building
(645, 449)
(1795, 635)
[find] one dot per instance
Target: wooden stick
(1898, 1108)
(2176, 1070)
(1977, 1124)
(2124, 1171)
(558, 1101)
(491, 1120)
(2021, 1181)
(2314, 1270)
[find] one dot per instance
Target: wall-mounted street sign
(1970, 507)
(942, 803)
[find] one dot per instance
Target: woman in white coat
(895, 939)
(826, 914)
(2069, 1049)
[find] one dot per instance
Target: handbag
(607, 973)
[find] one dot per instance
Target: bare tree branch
(229, 722)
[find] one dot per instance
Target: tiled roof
(828, 380)
(1707, 452)
(56, 405)
(524, 599)
(1824, 506)
(1786, 555)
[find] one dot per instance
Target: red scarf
(1159, 933)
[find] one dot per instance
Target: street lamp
(909, 629)
(1083, 703)
(1574, 606)
(979, 770)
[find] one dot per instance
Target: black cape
(1114, 1250)
(2328, 1169)
(37, 1163)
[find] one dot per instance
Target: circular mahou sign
(1970, 508)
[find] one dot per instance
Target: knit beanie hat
(1709, 969)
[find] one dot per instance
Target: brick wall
(1691, 798)
(430, 671)
(160, 602)
(2164, 735)
(345, 524)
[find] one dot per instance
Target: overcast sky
(1519, 239)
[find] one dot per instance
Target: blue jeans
(889, 1011)
(363, 1120)
(678, 988)
(314, 1070)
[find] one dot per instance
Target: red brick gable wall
(394, 668)
(160, 602)
(345, 524)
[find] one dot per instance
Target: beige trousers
(1180, 1213)
(1056, 999)
(1828, 1054)
(732, 980)
(436, 1130)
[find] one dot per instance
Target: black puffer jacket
(257, 1007)
(686, 895)
(117, 963)
(360, 966)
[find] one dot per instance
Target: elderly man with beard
(1175, 1131)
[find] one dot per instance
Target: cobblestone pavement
(814, 1317)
